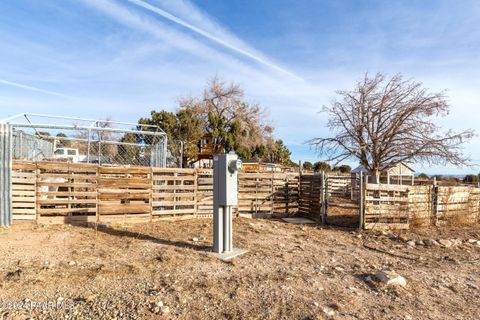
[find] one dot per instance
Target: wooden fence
(59, 192)
(399, 207)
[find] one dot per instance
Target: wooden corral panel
(124, 191)
(457, 204)
(386, 206)
(310, 189)
(339, 185)
(420, 205)
(66, 189)
(174, 191)
(267, 193)
(204, 192)
(24, 191)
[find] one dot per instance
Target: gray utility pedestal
(225, 197)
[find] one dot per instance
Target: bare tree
(383, 122)
(232, 122)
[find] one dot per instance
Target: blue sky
(96, 58)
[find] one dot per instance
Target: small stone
(445, 243)
(472, 240)
(411, 243)
(159, 303)
(478, 243)
(456, 242)
(91, 298)
(430, 242)
(72, 263)
(329, 312)
(419, 243)
(391, 278)
(392, 236)
(403, 238)
(195, 239)
(165, 310)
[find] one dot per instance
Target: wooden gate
(342, 202)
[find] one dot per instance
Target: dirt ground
(151, 271)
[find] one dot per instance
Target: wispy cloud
(222, 41)
(31, 88)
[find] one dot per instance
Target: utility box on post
(225, 196)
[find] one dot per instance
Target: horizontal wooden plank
(72, 193)
(170, 187)
(124, 169)
(65, 211)
(177, 211)
(173, 203)
(123, 196)
(65, 201)
(123, 208)
(24, 216)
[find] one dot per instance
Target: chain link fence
(106, 142)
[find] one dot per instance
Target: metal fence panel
(5, 174)
(30, 147)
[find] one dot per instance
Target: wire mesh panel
(67, 139)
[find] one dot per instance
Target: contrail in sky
(23, 86)
(210, 36)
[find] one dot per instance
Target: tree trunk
(375, 176)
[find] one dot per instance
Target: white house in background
(398, 174)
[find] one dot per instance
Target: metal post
(88, 144)
(99, 150)
(20, 155)
(218, 229)
(322, 198)
(5, 174)
(361, 196)
(225, 195)
(181, 154)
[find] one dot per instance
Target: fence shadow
(134, 235)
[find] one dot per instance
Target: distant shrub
(470, 178)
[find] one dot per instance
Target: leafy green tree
(63, 143)
(321, 166)
(470, 178)
(233, 123)
(307, 165)
(280, 153)
(183, 129)
(127, 154)
(423, 176)
(344, 168)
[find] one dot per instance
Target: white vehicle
(69, 153)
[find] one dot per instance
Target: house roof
(361, 168)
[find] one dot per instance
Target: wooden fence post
(323, 215)
(287, 194)
(272, 198)
(435, 201)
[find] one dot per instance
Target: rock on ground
(391, 278)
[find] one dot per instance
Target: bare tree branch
(383, 122)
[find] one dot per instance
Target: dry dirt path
(151, 271)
